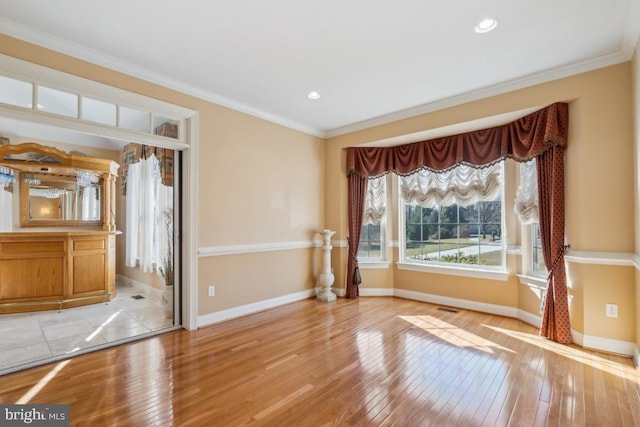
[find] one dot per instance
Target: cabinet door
(88, 267)
(31, 270)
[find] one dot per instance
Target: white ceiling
(371, 60)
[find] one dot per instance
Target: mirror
(59, 189)
(65, 201)
(58, 200)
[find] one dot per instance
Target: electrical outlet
(612, 310)
(212, 291)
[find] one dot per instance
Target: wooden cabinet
(53, 270)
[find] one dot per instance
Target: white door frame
(188, 144)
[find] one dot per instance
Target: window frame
(380, 262)
(464, 270)
(383, 246)
(529, 277)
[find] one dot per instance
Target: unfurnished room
(310, 213)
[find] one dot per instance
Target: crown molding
(493, 90)
(625, 53)
(632, 28)
(83, 53)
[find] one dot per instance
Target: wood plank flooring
(369, 362)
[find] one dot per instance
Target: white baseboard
(376, 292)
(500, 310)
(605, 344)
(591, 342)
(529, 318)
(587, 341)
(243, 310)
(339, 292)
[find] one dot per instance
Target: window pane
(466, 235)
(449, 214)
(98, 111)
(469, 214)
(134, 119)
(57, 102)
(429, 251)
(165, 127)
(536, 250)
(16, 92)
(370, 242)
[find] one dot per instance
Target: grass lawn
(489, 258)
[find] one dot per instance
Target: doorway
(138, 309)
(146, 300)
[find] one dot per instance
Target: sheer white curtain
(6, 207)
(462, 185)
(132, 214)
(526, 206)
(90, 204)
(147, 201)
(375, 203)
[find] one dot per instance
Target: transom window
(29, 95)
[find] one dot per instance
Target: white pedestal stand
(326, 278)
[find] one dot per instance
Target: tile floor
(30, 337)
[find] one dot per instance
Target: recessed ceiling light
(313, 95)
(486, 25)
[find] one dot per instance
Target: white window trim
(493, 273)
(37, 75)
(373, 265)
(477, 273)
(533, 281)
(535, 278)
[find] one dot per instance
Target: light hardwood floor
(372, 361)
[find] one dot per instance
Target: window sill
(533, 281)
(502, 276)
(373, 265)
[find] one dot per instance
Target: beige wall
(258, 183)
(261, 183)
(599, 195)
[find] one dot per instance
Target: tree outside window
(455, 234)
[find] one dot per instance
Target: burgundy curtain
(555, 318)
(521, 140)
(357, 196)
(543, 132)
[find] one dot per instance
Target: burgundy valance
(521, 140)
